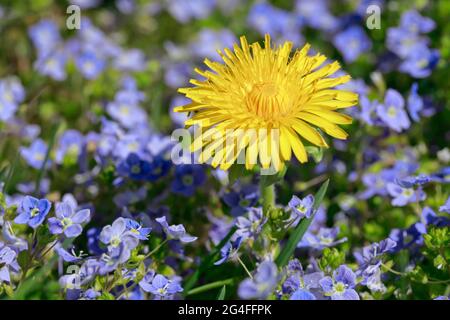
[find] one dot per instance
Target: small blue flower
(301, 208)
(68, 220)
(402, 196)
(12, 94)
(242, 200)
(251, 225)
(413, 22)
(52, 65)
(340, 286)
(325, 237)
(71, 145)
(177, 232)
(187, 179)
(33, 211)
(410, 237)
(402, 42)
(160, 286)
(126, 110)
(7, 261)
(420, 62)
(136, 229)
(263, 283)
(35, 154)
(120, 241)
(159, 167)
(392, 111)
(229, 251)
(45, 36)
(352, 42)
(90, 64)
(134, 167)
(298, 284)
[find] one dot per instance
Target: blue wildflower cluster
(93, 205)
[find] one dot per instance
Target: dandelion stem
(268, 197)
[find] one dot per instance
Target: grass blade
(300, 230)
(221, 295)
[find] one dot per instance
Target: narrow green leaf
(300, 230)
(222, 292)
(210, 286)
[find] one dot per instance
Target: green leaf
(222, 292)
(300, 230)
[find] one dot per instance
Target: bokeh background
(74, 104)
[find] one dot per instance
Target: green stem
(245, 268)
(268, 197)
(156, 249)
(210, 286)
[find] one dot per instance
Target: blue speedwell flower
(134, 167)
(8, 261)
(352, 42)
(341, 285)
(176, 232)
(263, 283)
(12, 94)
(301, 208)
(33, 211)
(325, 237)
(35, 154)
(187, 179)
(229, 251)
(159, 285)
(135, 228)
(71, 145)
(117, 236)
(68, 220)
(392, 111)
(251, 225)
(402, 196)
(421, 62)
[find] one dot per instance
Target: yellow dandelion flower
(268, 90)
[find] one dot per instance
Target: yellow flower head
(262, 102)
